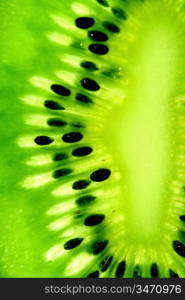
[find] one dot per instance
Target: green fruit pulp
(134, 126)
(142, 126)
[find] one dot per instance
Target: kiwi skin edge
(92, 145)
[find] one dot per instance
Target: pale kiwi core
(140, 128)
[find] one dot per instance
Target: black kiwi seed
(120, 269)
(104, 265)
(60, 90)
(94, 274)
(80, 184)
(154, 271)
(182, 218)
(119, 13)
(61, 172)
(103, 3)
(98, 36)
(179, 248)
(90, 84)
(85, 200)
(82, 151)
(93, 220)
(53, 105)
(99, 246)
(56, 122)
(137, 272)
(98, 49)
(84, 22)
(111, 27)
(89, 65)
(43, 140)
(173, 274)
(71, 244)
(100, 175)
(60, 156)
(82, 98)
(72, 137)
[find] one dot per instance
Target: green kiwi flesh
(92, 145)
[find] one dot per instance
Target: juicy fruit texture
(93, 147)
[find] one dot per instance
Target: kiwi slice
(92, 138)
